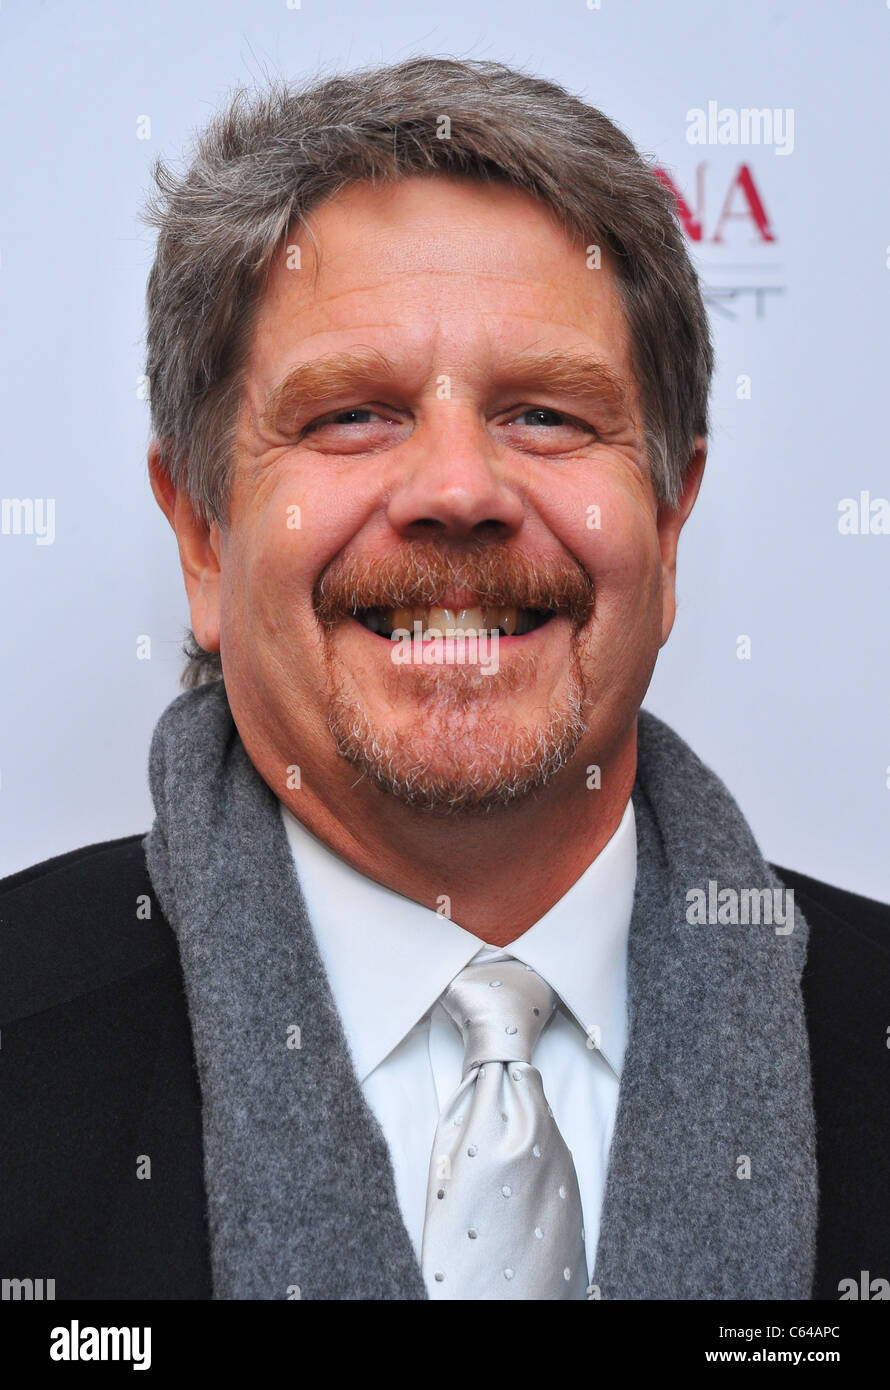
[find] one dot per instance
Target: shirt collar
(388, 958)
(580, 945)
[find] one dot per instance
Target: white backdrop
(800, 730)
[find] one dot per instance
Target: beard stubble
(463, 754)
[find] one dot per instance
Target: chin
(452, 763)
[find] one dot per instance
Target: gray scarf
(711, 1187)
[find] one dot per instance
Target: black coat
(98, 1068)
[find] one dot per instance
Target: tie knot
(500, 1007)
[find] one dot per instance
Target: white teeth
(442, 619)
(450, 622)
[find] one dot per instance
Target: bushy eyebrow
(321, 379)
(571, 374)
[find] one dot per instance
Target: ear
(199, 550)
(670, 522)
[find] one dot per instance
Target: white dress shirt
(389, 959)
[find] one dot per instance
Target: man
(444, 971)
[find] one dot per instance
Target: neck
(495, 875)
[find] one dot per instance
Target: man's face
(462, 434)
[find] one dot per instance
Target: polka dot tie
(503, 1213)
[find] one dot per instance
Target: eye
(544, 416)
(355, 415)
(551, 428)
(355, 430)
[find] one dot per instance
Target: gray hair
(266, 161)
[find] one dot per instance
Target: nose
(450, 486)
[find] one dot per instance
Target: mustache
(421, 572)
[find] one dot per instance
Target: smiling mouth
(454, 622)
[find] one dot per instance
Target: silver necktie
(503, 1212)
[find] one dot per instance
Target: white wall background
(801, 731)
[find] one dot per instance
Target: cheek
(625, 562)
(282, 541)
(263, 588)
(611, 532)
